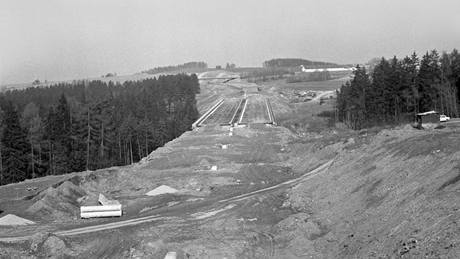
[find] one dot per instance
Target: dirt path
(179, 214)
(278, 186)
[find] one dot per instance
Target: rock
(351, 141)
(407, 246)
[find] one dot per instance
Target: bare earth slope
(391, 195)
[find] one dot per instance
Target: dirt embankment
(390, 195)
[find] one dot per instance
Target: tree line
(78, 126)
(200, 65)
(296, 62)
(309, 77)
(265, 74)
(396, 89)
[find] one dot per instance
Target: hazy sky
(67, 39)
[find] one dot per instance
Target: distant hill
(296, 62)
(115, 78)
(186, 67)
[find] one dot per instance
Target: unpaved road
(178, 214)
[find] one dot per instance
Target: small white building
(334, 69)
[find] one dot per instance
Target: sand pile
(13, 220)
(58, 203)
(163, 189)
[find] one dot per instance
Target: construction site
(258, 176)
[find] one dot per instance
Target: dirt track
(178, 214)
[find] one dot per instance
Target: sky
(72, 39)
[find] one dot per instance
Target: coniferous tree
(32, 123)
(409, 88)
(2, 126)
(14, 147)
(455, 76)
(429, 76)
(399, 89)
(93, 124)
(62, 135)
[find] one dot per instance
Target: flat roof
(426, 113)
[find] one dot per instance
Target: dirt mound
(162, 189)
(58, 203)
(204, 164)
(296, 233)
(50, 246)
(13, 220)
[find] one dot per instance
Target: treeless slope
(398, 194)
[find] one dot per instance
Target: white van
(444, 118)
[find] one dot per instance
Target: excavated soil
(396, 196)
(57, 203)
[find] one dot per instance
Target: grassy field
(300, 117)
(304, 117)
